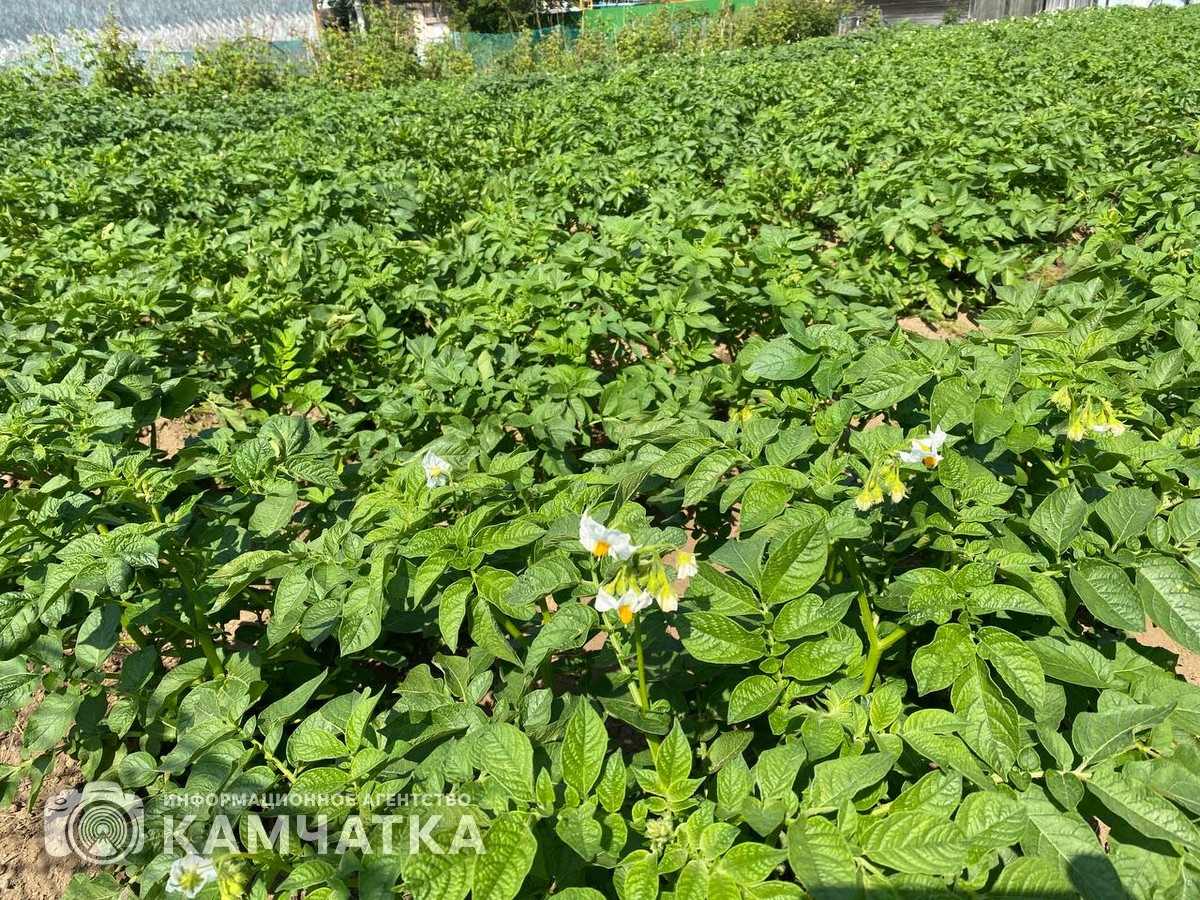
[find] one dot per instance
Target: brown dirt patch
(1051, 274)
(596, 642)
(171, 435)
(27, 871)
(245, 617)
(316, 416)
(946, 330)
(1188, 664)
(876, 421)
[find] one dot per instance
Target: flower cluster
(1088, 417)
(624, 596)
(883, 476)
(640, 582)
(1104, 421)
(660, 830)
(926, 452)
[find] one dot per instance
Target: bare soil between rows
(27, 871)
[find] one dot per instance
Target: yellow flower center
(601, 548)
(191, 878)
(626, 613)
(930, 461)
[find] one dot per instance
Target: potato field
(749, 476)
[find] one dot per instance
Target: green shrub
(711, 33)
(231, 67)
(492, 16)
(443, 60)
(519, 59)
(872, 19)
(954, 12)
(774, 22)
(648, 36)
(591, 46)
(46, 66)
(382, 56)
(552, 53)
(114, 62)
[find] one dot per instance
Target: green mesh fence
(487, 49)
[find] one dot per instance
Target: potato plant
(551, 446)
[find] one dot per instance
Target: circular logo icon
(102, 824)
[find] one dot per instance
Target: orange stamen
(626, 613)
(601, 548)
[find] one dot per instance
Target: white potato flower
(190, 875)
(437, 470)
(627, 605)
(925, 451)
(686, 564)
(606, 600)
(600, 541)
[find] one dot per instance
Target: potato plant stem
(276, 762)
(546, 669)
(641, 664)
(619, 653)
(644, 698)
(1064, 470)
(204, 637)
(511, 628)
(876, 645)
(200, 619)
